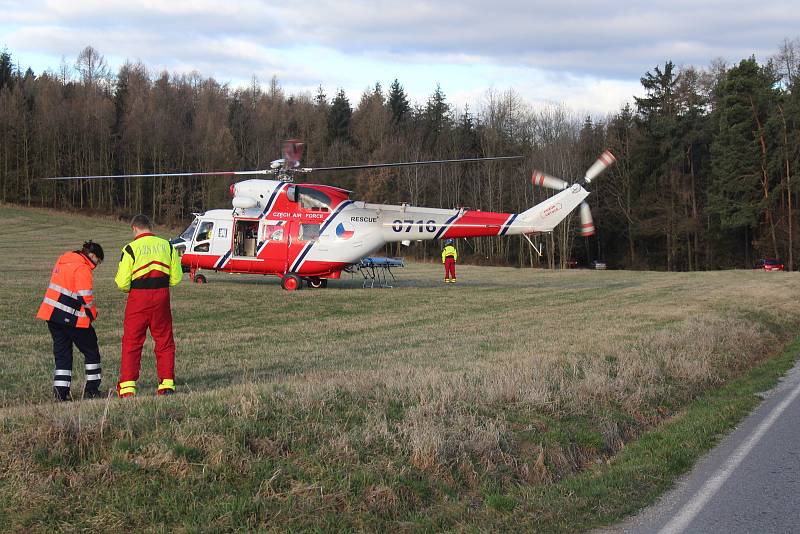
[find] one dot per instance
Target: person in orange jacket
(69, 309)
(148, 267)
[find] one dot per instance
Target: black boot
(61, 394)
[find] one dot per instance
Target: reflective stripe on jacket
(449, 250)
(148, 262)
(69, 299)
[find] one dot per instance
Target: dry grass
(333, 408)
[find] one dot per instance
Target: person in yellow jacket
(69, 309)
(149, 266)
(449, 258)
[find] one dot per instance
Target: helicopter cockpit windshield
(182, 240)
(187, 234)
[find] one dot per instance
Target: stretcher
(377, 270)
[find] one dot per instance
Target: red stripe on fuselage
(327, 269)
(201, 261)
(477, 223)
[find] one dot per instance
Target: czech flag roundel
(341, 233)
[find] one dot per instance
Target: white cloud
(586, 54)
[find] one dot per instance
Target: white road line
(699, 500)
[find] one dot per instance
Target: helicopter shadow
(274, 281)
(359, 283)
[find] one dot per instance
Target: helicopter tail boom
(401, 223)
(546, 215)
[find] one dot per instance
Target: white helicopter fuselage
(315, 231)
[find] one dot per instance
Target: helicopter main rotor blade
(404, 164)
(163, 174)
(282, 170)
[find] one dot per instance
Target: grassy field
(516, 399)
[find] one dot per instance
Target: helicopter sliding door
(245, 238)
(273, 244)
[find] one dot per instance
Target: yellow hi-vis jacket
(449, 250)
(148, 262)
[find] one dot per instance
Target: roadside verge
(649, 466)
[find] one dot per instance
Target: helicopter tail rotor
(541, 179)
(550, 182)
(605, 160)
(587, 223)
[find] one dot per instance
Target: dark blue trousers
(64, 337)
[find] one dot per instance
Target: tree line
(704, 178)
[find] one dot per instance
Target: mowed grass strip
(513, 399)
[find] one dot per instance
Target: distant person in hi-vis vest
(449, 258)
(69, 309)
(149, 266)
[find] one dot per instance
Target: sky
(585, 55)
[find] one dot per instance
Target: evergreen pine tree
(398, 103)
(739, 192)
(321, 99)
(339, 118)
(6, 69)
(436, 117)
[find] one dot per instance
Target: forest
(703, 181)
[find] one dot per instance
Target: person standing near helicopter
(148, 267)
(449, 258)
(69, 309)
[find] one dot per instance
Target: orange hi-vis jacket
(68, 299)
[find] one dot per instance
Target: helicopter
(310, 233)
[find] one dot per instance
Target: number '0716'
(407, 225)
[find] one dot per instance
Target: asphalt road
(750, 483)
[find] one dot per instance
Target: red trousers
(450, 267)
(147, 308)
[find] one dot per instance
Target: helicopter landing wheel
(291, 282)
(318, 283)
(200, 279)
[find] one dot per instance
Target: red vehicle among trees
(769, 264)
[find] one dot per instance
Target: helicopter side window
(312, 199)
(204, 234)
(206, 231)
(273, 232)
(308, 232)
